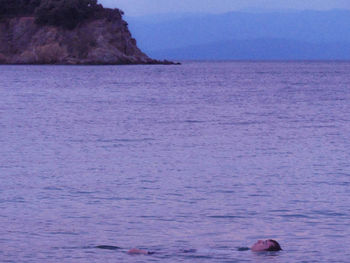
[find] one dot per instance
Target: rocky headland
(96, 39)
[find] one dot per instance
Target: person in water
(260, 246)
(266, 245)
(133, 251)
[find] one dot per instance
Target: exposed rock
(96, 41)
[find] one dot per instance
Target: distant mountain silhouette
(258, 49)
(245, 35)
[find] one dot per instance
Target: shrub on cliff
(18, 7)
(65, 13)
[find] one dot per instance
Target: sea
(194, 162)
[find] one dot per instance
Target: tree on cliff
(65, 13)
(18, 7)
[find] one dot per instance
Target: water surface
(205, 157)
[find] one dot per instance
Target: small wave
(243, 248)
(295, 216)
(243, 123)
(52, 188)
(108, 247)
(194, 121)
(329, 213)
(225, 216)
(64, 233)
(126, 140)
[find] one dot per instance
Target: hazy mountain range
(245, 35)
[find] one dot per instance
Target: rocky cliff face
(98, 41)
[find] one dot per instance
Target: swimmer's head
(266, 245)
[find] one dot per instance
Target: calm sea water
(208, 157)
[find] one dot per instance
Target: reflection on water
(191, 162)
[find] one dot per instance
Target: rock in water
(101, 40)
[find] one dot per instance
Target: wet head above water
(266, 245)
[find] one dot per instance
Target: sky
(148, 7)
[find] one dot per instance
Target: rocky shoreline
(102, 41)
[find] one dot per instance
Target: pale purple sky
(146, 7)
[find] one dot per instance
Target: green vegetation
(64, 13)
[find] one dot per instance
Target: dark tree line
(64, 13)
(18, 7)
